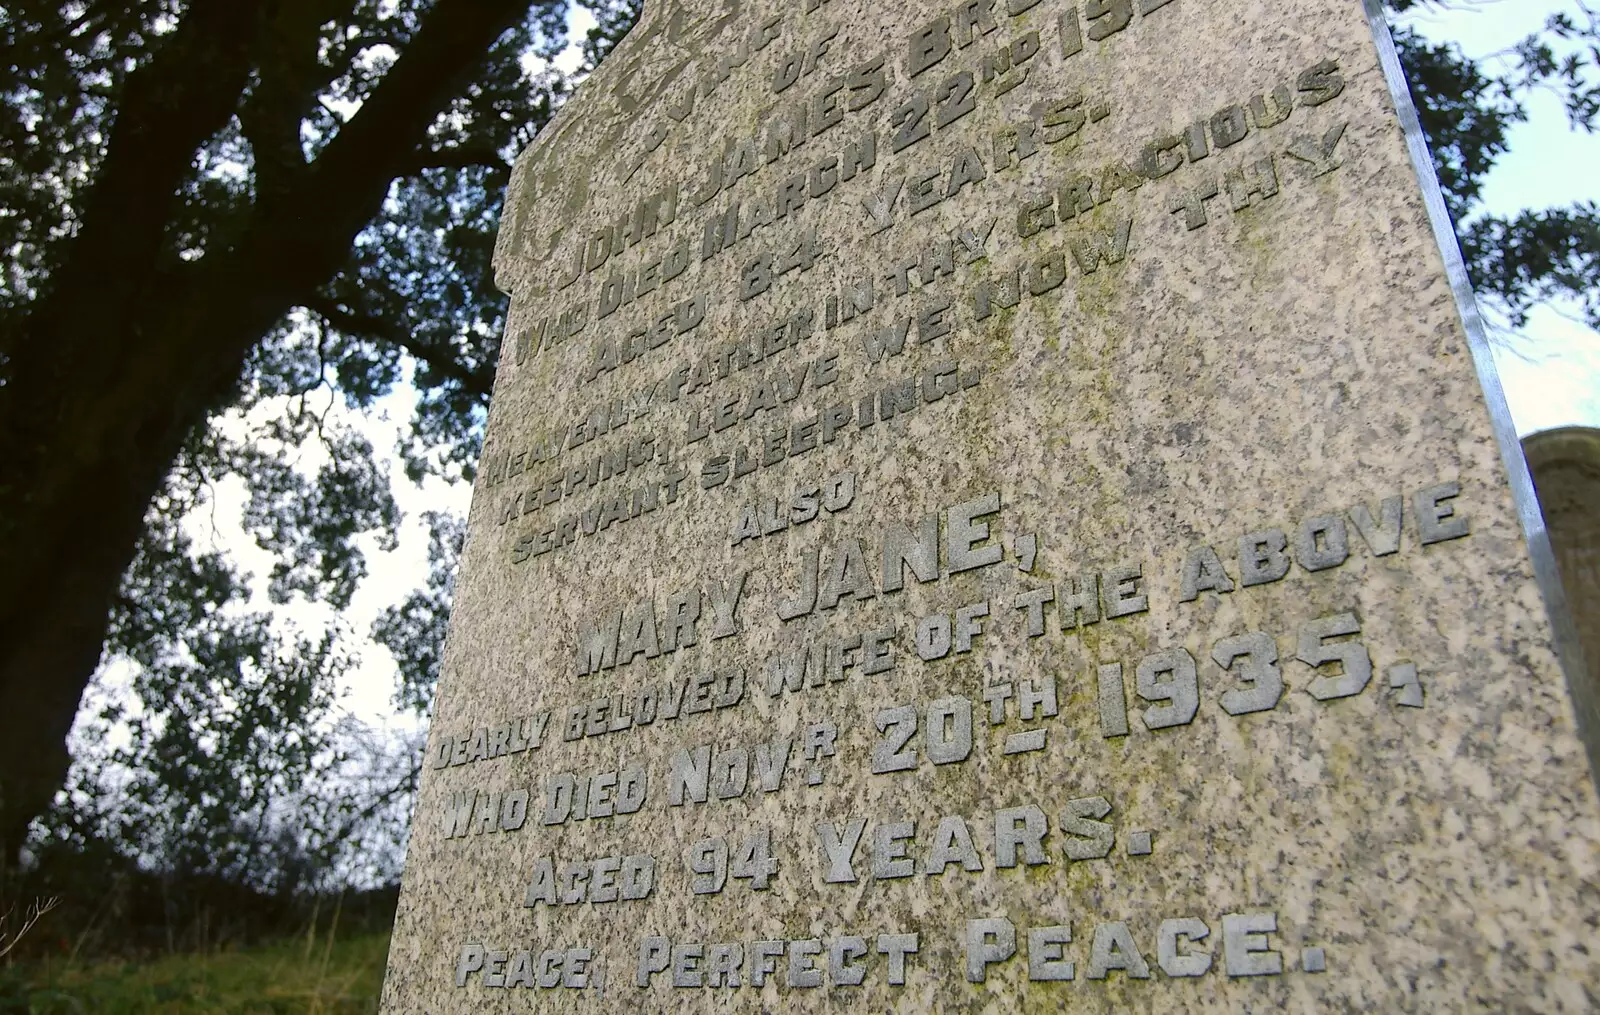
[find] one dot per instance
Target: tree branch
(441, 359)
(458, 157)
(288, 78)
(407, 784)
(380, 139)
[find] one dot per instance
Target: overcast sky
(1551, 369)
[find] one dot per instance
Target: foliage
(221, 755)
(413, 631)
(1468, 108)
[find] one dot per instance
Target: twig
(36, 912)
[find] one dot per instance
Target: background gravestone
(994, 502)
(1565, 465)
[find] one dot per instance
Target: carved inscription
(1241, 675)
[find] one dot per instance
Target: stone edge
(1586, 703)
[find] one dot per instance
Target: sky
(1550, 370)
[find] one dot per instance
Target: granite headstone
(997, 506)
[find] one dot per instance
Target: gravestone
(1565, 466)
(993, 506)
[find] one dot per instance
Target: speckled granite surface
(1124, 608)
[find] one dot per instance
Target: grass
(304, 976)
